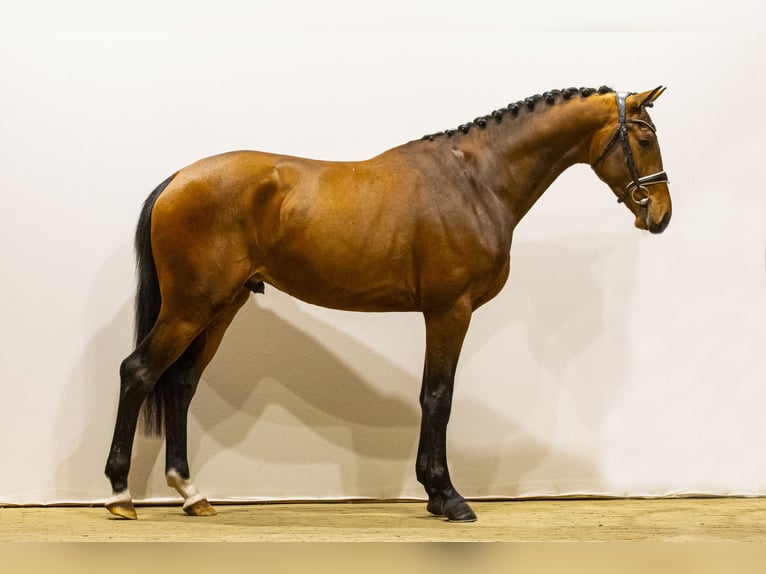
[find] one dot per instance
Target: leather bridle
(621, 134)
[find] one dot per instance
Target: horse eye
(645, 143)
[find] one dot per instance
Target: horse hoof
(200, 508)
(454, 510)
(466, 515)
(122, 509)
(459, 511)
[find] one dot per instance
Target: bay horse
(425, 226)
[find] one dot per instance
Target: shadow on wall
(555, 337)
(266, 361)
(554, 297)
(83, 430)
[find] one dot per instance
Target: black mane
(550, 98)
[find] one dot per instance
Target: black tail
(148, 301)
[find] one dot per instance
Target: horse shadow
(561, 319)
(277, 368)
(275, 373)
(266, 361)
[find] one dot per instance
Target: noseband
(621, 134)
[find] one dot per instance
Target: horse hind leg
(179, 392)
(139, 372)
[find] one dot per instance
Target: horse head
(630, 162)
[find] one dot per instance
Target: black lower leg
(178, 392)
(444, 338)
(433, 472)
(176, 417)
(135, 385)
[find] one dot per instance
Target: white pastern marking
(118, 497)
(184, 487)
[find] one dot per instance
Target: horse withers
(426, 226)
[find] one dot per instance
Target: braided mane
(512, 110)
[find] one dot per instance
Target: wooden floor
(711, 533)
(714, 519)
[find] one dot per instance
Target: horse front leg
(445, 332)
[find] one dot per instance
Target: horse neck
(522, 156)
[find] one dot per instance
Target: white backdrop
(614, 362)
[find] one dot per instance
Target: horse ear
(646, 99)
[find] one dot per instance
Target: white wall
(614, 362)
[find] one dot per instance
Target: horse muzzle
(652, 217)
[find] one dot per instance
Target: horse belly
(341, 273)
